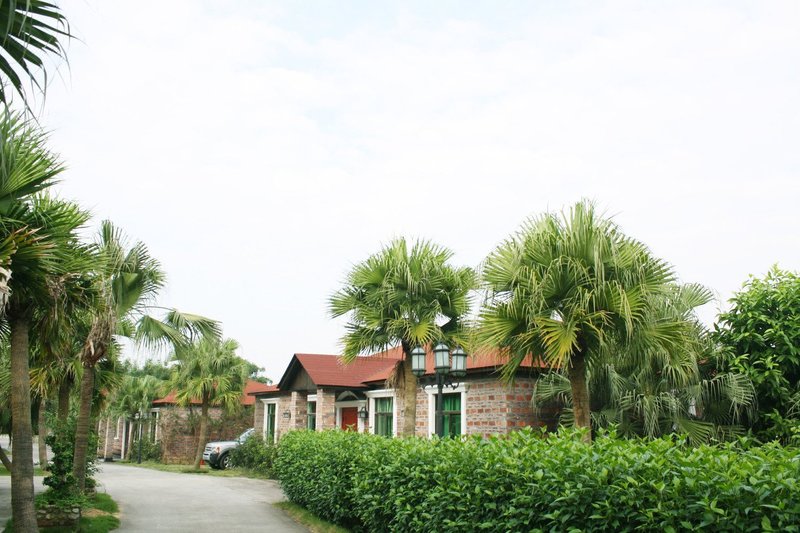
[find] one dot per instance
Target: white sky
(260, 149)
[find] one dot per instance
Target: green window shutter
(312, 416)
(451, 409)
(383, 416)
(270, 422)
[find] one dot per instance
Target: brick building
(176, 428)
(320, 392)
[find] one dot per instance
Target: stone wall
(52, 516)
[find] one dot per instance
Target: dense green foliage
(406, 295)
(525, 482)
(255, 454)
(761, 334)
(62, 487)
(575, 291)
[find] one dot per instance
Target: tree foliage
(406, 296)
(29, 31)
(575, 291)
(761, 337)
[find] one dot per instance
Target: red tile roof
(330, 371)
(479, 362)
(251, 387)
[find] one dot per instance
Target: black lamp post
(446, 365)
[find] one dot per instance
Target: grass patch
(305, 517)
(186, 469)
(97, 517)
(103, 502)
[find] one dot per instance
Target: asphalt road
(150, 500)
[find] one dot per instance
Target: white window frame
(154, 414)
(432, 391)
(266, 402)
(382, 393)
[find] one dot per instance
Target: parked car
(217, 454)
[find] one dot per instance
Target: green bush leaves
(526, 482)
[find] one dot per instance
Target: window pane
(451, 409)
(312, 415)
(383, 405)
(452, 402)
(271, 422)
(383, 416)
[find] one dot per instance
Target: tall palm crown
(26, 167)
(210, 371)
(29, 29)
(566, 288)
(405, 297)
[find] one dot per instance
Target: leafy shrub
(62, 486)
(525, 482)
(255, 454)
(151, 451)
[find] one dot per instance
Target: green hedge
(525, 482)
(255, 454)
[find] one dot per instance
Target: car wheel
(225, 462)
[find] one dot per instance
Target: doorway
(349, 418)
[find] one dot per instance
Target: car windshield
(243, 436)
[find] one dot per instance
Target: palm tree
(37, 262)
(406, 297)
(567, 289)
(29, 29)
(127, 280)
(675, 390)
(134, 396)
(209, 371)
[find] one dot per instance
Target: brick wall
(495, 408)
(298, 406)
(258, 416)
(178, 430)
(422, 414)
(326, 409)
(283, 424)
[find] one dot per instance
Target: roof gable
(329, 370)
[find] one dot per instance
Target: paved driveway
(150, 500)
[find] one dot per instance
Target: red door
(349, 418)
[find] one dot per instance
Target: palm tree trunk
(82, 427)
(201, 439)
(580, 394)
(22, 508)
(42, 435)
(129, 425)
(409, 396)
(108, 452)
(63, 400)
